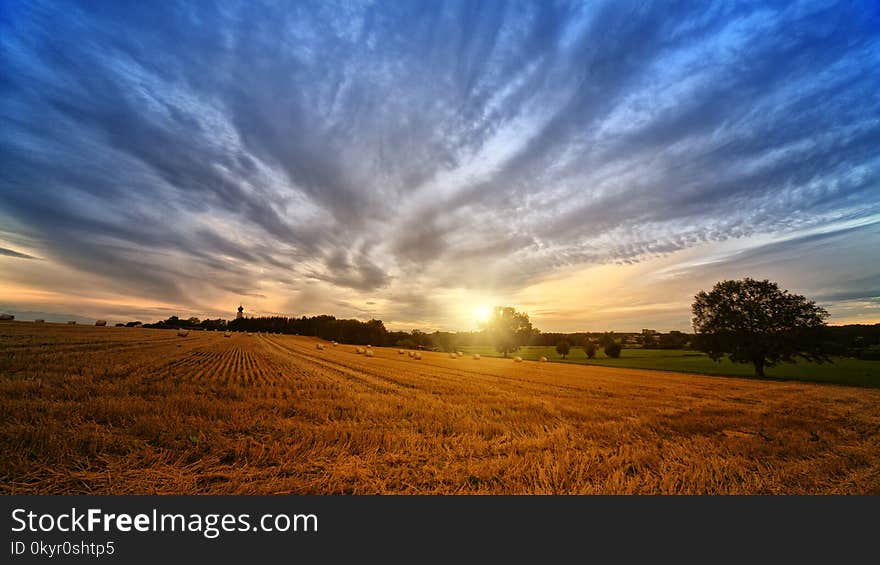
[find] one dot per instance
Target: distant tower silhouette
(240, 312)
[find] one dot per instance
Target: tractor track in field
(456, 377)
(418, 379)
(259, 414)
(344, 371)
(94, 346)
(230, 364)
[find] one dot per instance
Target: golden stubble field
(141, 411)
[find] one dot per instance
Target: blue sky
(595, 164)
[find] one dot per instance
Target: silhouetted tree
(755, 322)
(422, 340)
(508, 329)
(606, 339)
(563, 347)
(613, 349)
(672, 340)
(590, 349)
(445, 340)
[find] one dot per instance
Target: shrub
(590, 349)
(563, 347)
(613, 350)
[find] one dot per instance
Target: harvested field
(103, 410)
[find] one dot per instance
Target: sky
(592, 164)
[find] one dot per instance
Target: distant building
(240, 312)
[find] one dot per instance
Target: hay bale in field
(7, 317)
(477, 356)
(319, 346)
(183, 333)
(369, 346)
(227, 334)
(542, 359)
(417, 356)
(517, 359)
(412, 354)
(400, 351)
(359, 350)
(369, 352)
(460, 354)
(453, 356)
(335, 344)
(100, 322)
(39, 321)
(71, 323)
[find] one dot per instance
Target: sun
(482, 313)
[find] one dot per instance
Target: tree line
(747, 321)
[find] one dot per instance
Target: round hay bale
(542, 359)
(517, 359)
(477, 356)
(460, 354)
(319, 346)
(100, 322)
(183, 333)
(400, 351)
(369, 352)
(453, 356)
(71, 323)
(227, 334)
(417, 356)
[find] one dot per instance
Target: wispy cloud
(16, 254)
(325, 153)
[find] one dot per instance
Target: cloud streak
(16, 254)
(413, 151)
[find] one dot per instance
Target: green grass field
(843, 370)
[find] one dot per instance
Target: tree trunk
(759, 368)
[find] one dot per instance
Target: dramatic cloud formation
(594, 163)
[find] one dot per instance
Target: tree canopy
(590, 349)
(508, 329)
(756, 322)
(612, 349)
(563, 347)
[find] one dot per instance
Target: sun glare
(482, 313)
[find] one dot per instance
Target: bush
(590, 349)
(563, 348)
(613, 350)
